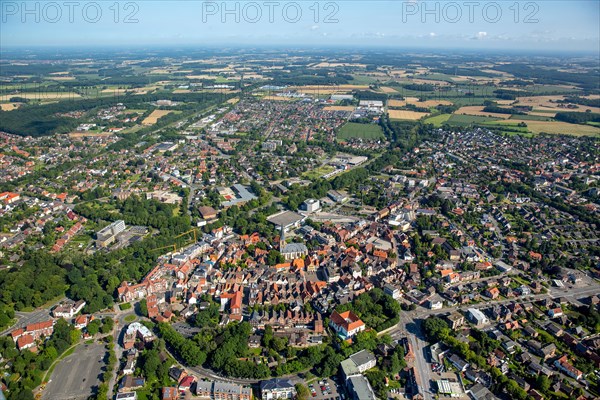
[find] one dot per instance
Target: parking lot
(325, 389)
(76, 376)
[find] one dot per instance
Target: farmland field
(9, 106)
(558, 127)
(463, 120)
(364, 131)
(41, 95)
(416, 102)
(478, 110)
(532, 117)
(154, 116)
(339, 108)
(438, 120)
(404, 114)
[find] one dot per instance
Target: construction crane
(185, 233)
(174, 245)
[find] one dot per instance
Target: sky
(543, 25)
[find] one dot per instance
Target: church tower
(281, 238)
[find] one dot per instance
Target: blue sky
(540, 25)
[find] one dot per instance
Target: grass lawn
(130, 318)
(438, 120)
(125, 306)
(364, 131)
(318, 172)
(255, 351)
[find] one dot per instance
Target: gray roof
(361, 388)
(295, 248)
(285, 218)
(362, 357)
(480, 392)
(276, 383)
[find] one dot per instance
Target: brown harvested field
(420, 81)
(89, 134)
(339, 108)
(9, 106)
(233, 100)
(182, 91)
(62, 78)
(477, 110)
(539, 101)
(550, 114)
(154, 116)
(557, 127)
(403, 114)
(386, 89)
(416, 102)
(548, 103)
(41, 96)
(327, 64)
(203, 76)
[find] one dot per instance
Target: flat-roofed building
(286, 219)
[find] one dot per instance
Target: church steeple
(281, 238)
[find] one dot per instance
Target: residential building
(565, 366)
(277, 388)
(358, 363)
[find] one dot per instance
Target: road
(32, 317)
(414, 332)
(410, 325)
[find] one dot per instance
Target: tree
(107, 325)
(435, 328)
(143, 307)
(543, 383)
(302, 392)
(150, 364)
(93, 327)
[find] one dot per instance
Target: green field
(464, 120)
(438, 120)
(362, 80)
(363, 131)
(531, 117)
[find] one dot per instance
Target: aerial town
(355, 227)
